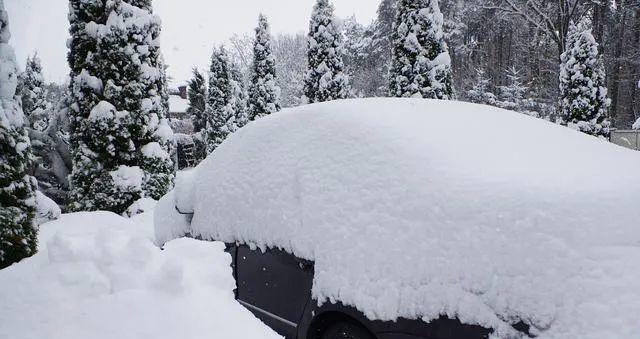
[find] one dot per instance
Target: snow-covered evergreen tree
(512, 94)
(325, 79)
(238, 97)
(18, 229)
(264, 94)
(197, 94)
(220, 102)
(421, 65)
(583, 95)
(33, 92)
(120, 136)
(481, 92)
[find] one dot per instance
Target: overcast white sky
(190, 27)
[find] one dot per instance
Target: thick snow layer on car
(98, 275)
(419, 208)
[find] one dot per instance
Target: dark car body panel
(276, 287)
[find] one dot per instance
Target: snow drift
(419, 208)
(98, 275)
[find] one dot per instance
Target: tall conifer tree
(220, 102)
(120, 136)
(264, 94)
(583, 95)
(325, 79)
(421, 65)
(197, 94)
(18, 229)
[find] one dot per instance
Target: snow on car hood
(418, 208)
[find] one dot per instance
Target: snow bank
(417, 208)
(98, 276)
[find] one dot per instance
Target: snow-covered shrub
(18, 228)
(636, 125)
(264, 93)
(421, 65)
(325, 78)
(583, 92)
(119, 105)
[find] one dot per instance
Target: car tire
(346, 330)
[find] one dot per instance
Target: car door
(275, 286)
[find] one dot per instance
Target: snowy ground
(98, 275)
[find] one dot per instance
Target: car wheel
(346, 330)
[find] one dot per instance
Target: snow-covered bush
(636, 125)
(18, 227)
(583, 92)
(421, 65)
(325, 78)
(264, 94)
(119, 105)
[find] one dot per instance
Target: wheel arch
(322, 321)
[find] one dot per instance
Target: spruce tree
(220, 102)
(18, 229)
(120, 136)
(583, 95)
(481, 93)
(325, 79)
(512, 94)
(264, 94)
(421, 65)
(197, 94)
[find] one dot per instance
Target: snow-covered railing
(626, 138)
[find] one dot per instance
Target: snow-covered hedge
(417, 208)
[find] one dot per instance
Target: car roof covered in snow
(419, 208)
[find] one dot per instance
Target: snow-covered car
(411, 218)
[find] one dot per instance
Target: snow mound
(97, 275)
(46, 208)
(418, 208)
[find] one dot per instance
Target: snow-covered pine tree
(325, 79)
(18, 229)
(46, 132)
(358, 65)
(583, 95)
(481, 92)
(197, 94)
(238, 97)
(512, 94)
(220, 102)
(264, 94)
(120, 136)
(421, 65)
(33, 92)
